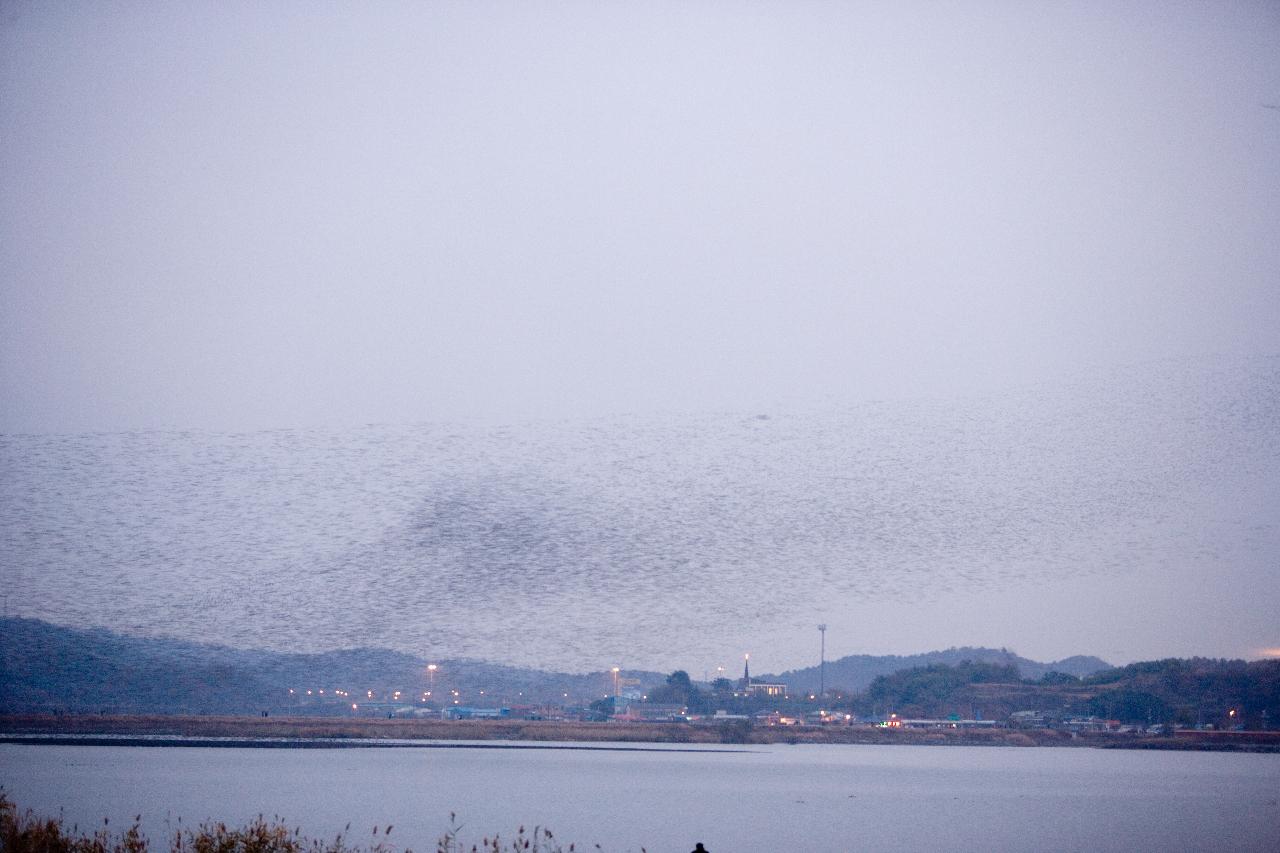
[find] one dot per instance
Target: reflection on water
(766, 799)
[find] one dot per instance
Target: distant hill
(50, 668)
(855, 673)
(1189, 692)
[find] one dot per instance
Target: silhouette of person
(698, 848)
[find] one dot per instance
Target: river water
(733, 799)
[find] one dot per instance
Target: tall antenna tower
(822, 662)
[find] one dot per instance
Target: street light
(431, 674)
(615, 684)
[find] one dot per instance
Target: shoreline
(329, 732)
(170, 741)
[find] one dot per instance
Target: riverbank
(315, 731)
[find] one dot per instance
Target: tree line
(1195, 691)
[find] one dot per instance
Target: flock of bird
(564, 543)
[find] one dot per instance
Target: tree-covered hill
(1196, 690)
(855, 673)
(1188, 692)
(50, 668)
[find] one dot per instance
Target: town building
(750, 687)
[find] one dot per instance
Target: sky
(265, 215)
(243, 216)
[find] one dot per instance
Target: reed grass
(26, 832)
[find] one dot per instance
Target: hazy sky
(254, 215)
(228, 216)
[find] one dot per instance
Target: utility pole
(822, 663)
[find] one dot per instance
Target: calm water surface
(735, 800)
